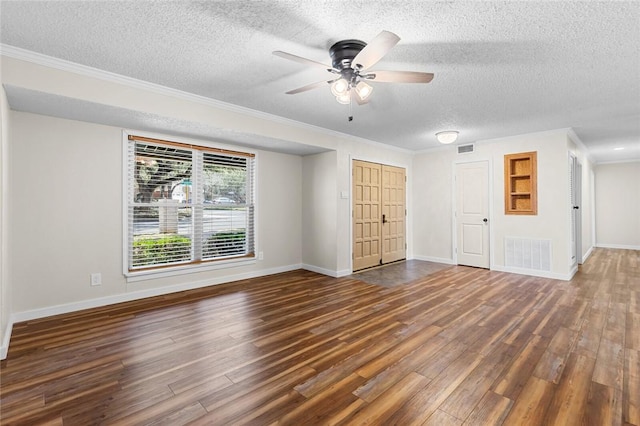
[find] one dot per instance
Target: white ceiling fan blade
(309, 87)
(399, 76)
(375, 50)
(301, 60)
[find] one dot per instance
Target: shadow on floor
(398, 273)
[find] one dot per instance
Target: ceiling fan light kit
(447, 136)
(340, 87)
(345, 98)
(351, 60)
(363, 90)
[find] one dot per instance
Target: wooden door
(472, 213)
(393, 214)
(367, 216)
(379, 196)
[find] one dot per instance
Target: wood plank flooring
(462, 346)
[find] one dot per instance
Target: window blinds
(187, 204)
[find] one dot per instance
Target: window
(187, 204)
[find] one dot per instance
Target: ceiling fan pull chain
(350, 108)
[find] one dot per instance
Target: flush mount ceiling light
(447, 136)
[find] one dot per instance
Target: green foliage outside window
(153, 250)
(166, 249)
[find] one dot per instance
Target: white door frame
(575, 217)
(579, 212)
(454, 232)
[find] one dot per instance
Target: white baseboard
(435, 259)
(535, 273)
(618, 246)
(4, 349)
(343, 273)
(323, 271)
(587, 254)
(573, 271)
(135, 295)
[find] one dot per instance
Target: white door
(578, 212)
(575, 192)
(472, 213)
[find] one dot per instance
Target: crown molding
(68, 66)
(604, 163)
(64, 65)
(439, 148)
(574, 137)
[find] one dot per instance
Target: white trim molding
(4, 349)
(327, 272)
(435, 259)
(583, 149)
(618, 246)
(68, 66)
(142, 294)
(535, 273)
(587, 254)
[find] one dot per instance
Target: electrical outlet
(96, 279)
(260, 256)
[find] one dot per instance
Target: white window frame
(190, 268)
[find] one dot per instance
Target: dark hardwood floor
(459, 346)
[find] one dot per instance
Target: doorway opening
(575, 193)
(379, 214)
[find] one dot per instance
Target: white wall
(586, 207)
(5, 261)
(617, 201)
(39, 140)
(433, 206)
(67, 215)
(319, 211)
(327, 213)
(433, 193)
(90, 85)
(587, 210)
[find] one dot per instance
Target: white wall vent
(527, 253)
(465, 149)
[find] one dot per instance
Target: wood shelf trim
(520, 171)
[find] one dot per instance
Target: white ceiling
(501, 68)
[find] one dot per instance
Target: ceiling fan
(350, 63)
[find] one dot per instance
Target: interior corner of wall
(6, 339)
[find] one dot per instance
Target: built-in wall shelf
(520, 183)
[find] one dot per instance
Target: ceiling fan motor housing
(343, 52)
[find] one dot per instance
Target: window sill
(150, 274)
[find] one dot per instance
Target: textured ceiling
(501, 68)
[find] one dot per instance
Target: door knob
(576, 207)
(485, 220)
